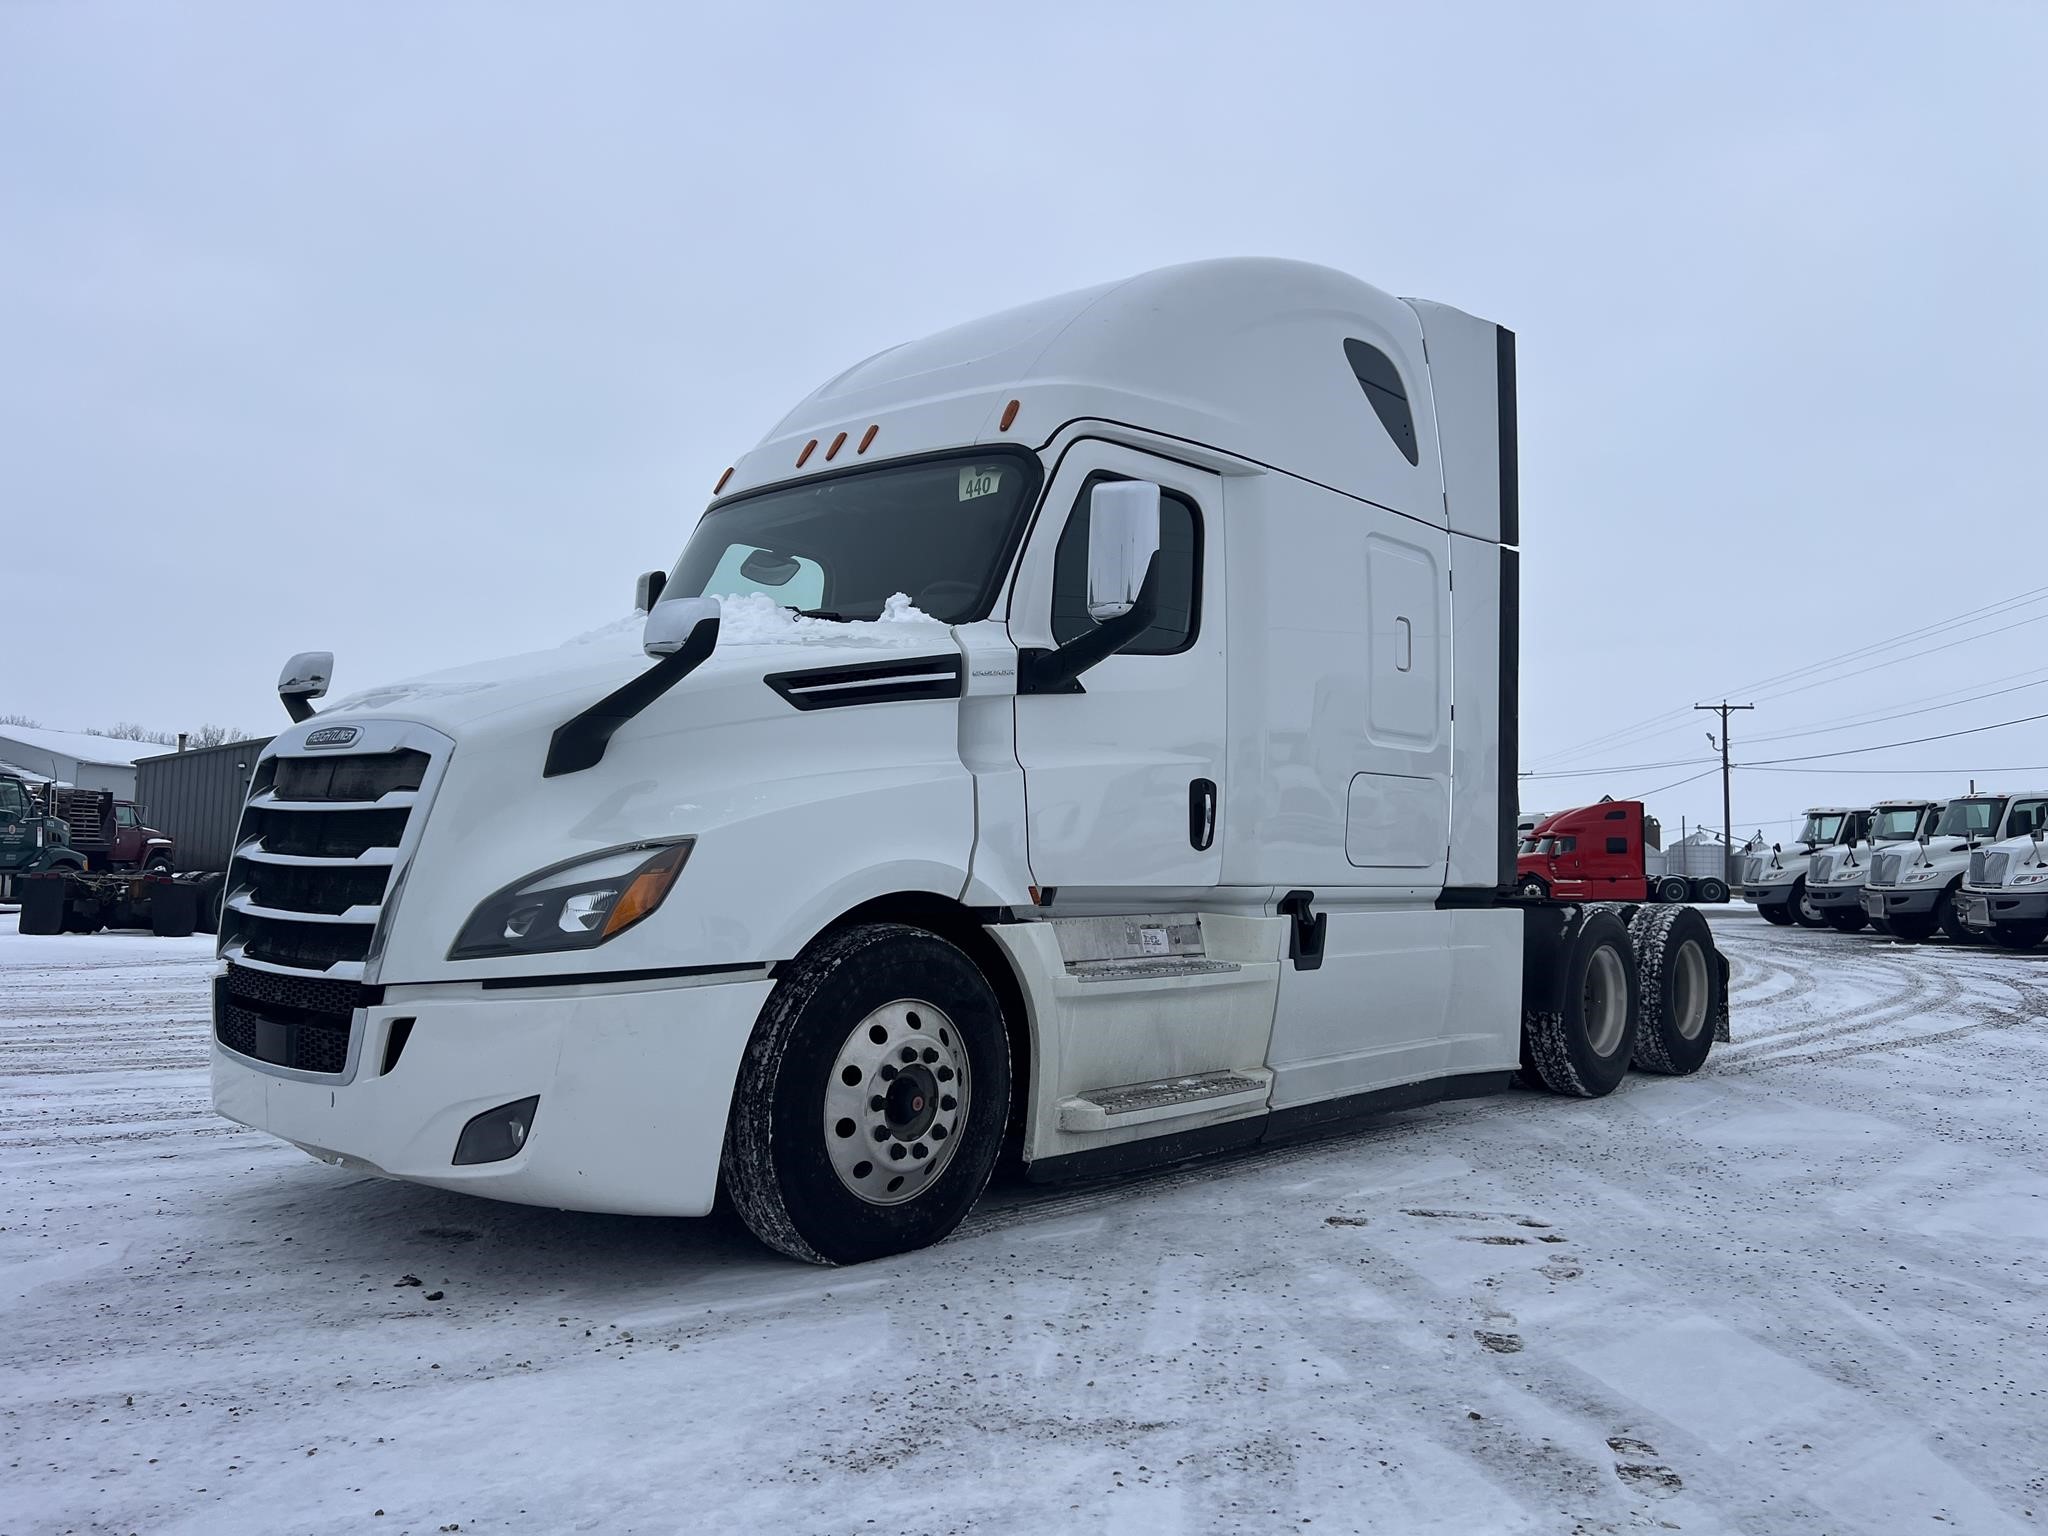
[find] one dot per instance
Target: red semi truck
(1612, 851)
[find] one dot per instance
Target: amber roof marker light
(1009, 415)
(809, 448)
(868, 437)
(721, 480)
(833, 452)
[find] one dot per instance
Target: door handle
(1407, 646)
(1202, 814)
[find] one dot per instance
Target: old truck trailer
(1091, 729)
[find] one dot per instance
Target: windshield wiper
(821, 613)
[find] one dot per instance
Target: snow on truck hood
(755, 636)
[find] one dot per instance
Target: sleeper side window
(1617, 845)
(1381, 381)
(1180, 575)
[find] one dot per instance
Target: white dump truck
(1089, 731)
(1836, 877)
(2004, 896)
(1774, 879)
(1913, 893)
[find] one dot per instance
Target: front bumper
(1767, 895)
(634, 1083)
(1828, 898)
(1988, 909)
(1894, 903)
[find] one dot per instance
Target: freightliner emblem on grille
(334, 736)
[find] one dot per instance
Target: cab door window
(1180, 575)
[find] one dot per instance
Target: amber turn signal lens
(648, 887)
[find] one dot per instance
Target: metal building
(196, 796)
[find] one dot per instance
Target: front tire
(1777, 914)
(1911, 927)
(1846, 919)
(1950, 920)
(1804, 912)
(1531, 888)
(872, 1098)
(1583, 1049)
(2019, 935)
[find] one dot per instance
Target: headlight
(574, 905)
(2030, 877)
(1924, 872)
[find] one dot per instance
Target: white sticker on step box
(978, 480)
(1153, 941)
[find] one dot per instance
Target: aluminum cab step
(1104, 1109)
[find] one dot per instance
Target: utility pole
(1723, 709)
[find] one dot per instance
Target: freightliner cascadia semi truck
(1088, 731)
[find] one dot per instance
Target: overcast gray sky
(414, 332)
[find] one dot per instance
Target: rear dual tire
(1583, 1047)
(1679, 996)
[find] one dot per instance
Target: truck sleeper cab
(1775, 880)
(1836, 877)
(1090, 729)
(2004, 895)
(1914, 893)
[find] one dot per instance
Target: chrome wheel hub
(896, 1101)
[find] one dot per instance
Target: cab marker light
(833, 452)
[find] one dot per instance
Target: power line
(1594, 773)
(1906, 773)
(1886, 746)
(1676, 783)
(1848, 724)
(1989, 610)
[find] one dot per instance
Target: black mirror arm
(298, 706)
(1058, 670)
(579, 742)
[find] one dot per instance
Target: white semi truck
(1914, 893)
(2004, 896)
(1090, 730)
(1774, 879)
(1836, 876)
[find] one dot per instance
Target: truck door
(1123, 780)
(127, 835)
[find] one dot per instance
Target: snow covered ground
(1802, 1292)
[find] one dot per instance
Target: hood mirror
(304, 679)
(1123, 536)
(648, 589)
(670, 623)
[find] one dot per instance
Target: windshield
(940, 531)
(12, 801)
(2027, 816)
(1970, 818)
(1900, 823)
(1821, 828)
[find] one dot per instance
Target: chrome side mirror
(304, 679)
(648, 589)
(670, 623)
(1123, 536)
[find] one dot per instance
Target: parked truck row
(1971, 868)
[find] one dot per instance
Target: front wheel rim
(896, 1102)
(1605, 1001)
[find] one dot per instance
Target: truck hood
(518, 692)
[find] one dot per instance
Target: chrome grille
(1884, 869)
(1996, 867)
(1977, 867)
(322, 839)
(1753, 869)
(1823, 869)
